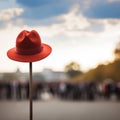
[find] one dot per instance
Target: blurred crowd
(61, 90)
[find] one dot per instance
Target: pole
(31, 91)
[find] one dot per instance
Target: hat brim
(12, 54)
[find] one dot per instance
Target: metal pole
(30, 91)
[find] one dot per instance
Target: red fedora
(29, 47)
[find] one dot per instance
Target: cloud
(73, 20)
(44, 11)
(73, 34)
(76, 23)
(10, 15)
(73, 25)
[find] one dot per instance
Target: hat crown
(28, 43)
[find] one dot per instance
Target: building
(46, 75)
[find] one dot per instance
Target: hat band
(29, 51)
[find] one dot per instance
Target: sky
(84, 31)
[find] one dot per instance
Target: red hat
(29, 48)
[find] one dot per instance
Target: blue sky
(85, 31)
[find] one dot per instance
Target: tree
(73, 69)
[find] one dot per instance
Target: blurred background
(83, 69)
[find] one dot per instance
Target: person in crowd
(118, 90)
(62, 90)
